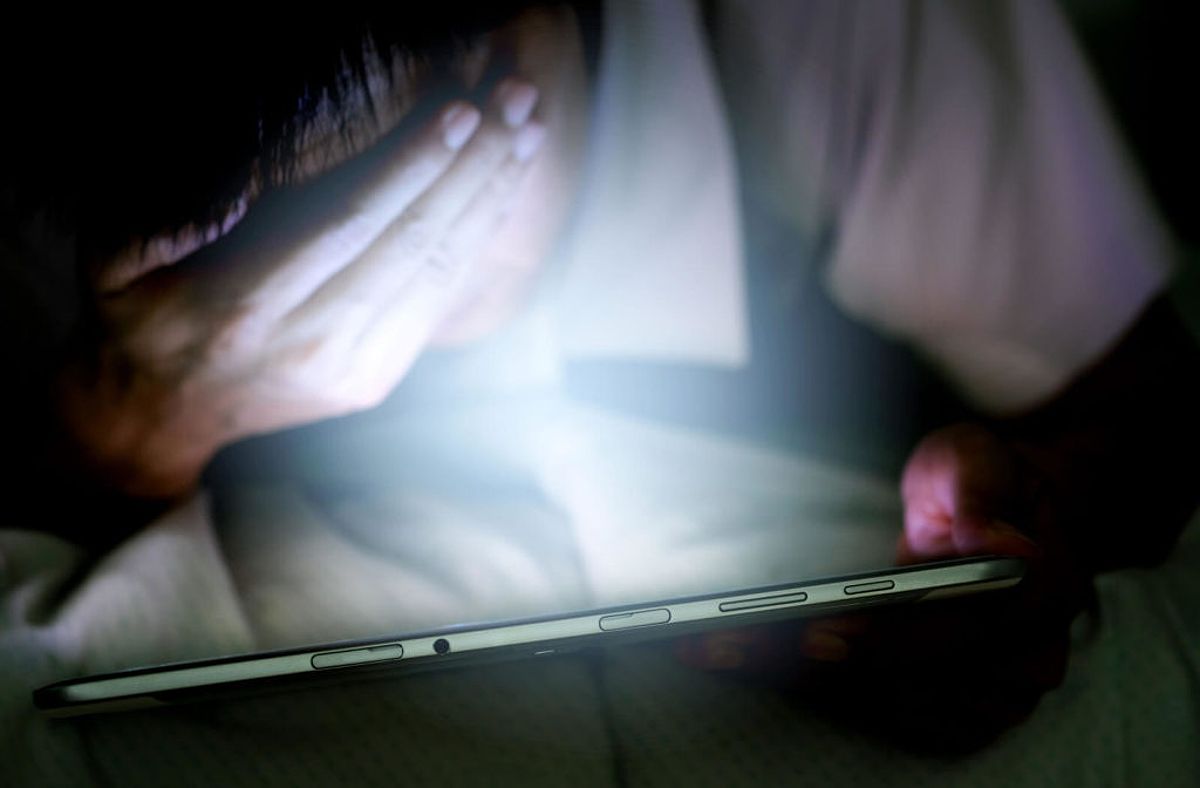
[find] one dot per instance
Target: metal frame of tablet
(531, 637)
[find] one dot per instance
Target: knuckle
(317, 372)
(237, 332)
(415, 233)
(493, 139)
(344, 237)
(497, 192)
(443, 266)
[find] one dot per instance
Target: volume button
(758, 602)
(867, 588)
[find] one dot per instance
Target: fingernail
(516, 101)
(824, 646)
(722, 654)
(458, 124)
(528, 140)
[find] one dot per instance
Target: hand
(315, 305)
(940, 675)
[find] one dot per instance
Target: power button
(638, 618)
(357, 656)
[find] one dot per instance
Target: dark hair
(141, 130)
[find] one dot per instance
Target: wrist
(121, 438)
(1109, 444)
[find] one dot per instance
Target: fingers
(959, 488)
(410, 312)
(930, 539)
(361, 217)
(778, 650)
(425, 241)
(492, 203)
(947, 675)
(379, 311)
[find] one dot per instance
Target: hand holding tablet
(952, 675)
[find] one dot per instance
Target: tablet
(536, 638)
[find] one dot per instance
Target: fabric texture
(959, 157)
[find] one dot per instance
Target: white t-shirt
(958, 153)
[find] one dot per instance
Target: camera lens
(441, 645)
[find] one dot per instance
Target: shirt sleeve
(960, 159)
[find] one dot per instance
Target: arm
(314, 305)
(1098, 472)
(1112, 449)
(1090, 480)
(985, 213)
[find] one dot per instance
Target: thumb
(957, 487)
(966, 529)
(978, 535)
(979, 493)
